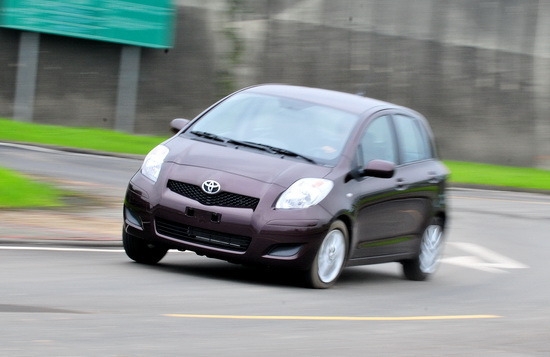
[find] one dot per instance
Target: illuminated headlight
(153, 162)
(304, 193)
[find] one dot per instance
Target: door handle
(434, 178)
(401, 185)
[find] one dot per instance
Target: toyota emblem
(211, 187)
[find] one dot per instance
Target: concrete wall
(478, 69)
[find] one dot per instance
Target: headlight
(304, 193)
(153, 162)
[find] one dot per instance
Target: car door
(391, 213)
(417, 178)
(377, 203)
(422, 174)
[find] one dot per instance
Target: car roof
(353, 103)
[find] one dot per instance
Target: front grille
(202, 236)
(222, 199)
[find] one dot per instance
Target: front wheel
(140, 251)
(330, 258)
(429, 255)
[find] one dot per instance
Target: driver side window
(378, 141)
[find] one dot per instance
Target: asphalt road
(490, 296)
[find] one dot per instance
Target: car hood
(211, 160)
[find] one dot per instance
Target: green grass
(81, 138)
(499, 176)
(19, 191)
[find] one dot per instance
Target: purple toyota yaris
(293, 177)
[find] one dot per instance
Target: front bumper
(265, 236)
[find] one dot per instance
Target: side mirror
(177, 124)
(379, 168)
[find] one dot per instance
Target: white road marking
(336, 318)
(63, 249)
(482, 259)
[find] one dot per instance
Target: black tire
(330, 258)
(140, 251)
(426, 262)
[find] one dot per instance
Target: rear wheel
(141, 251)
(330, 258)
(429, 254)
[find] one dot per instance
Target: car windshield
(299, 128)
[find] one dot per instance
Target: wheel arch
(348, 222)
(442, 215)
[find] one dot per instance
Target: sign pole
(25, 83)
(128, 78)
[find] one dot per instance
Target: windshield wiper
(276, 150)
(251, 144)
(264, 147)
(207, 135)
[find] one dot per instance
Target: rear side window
(414, 143)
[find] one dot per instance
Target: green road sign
(147, 23)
